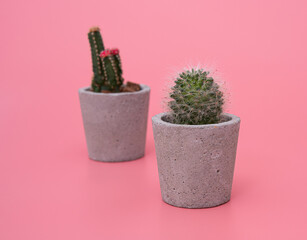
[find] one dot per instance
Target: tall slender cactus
(97, 47)
(107, 71)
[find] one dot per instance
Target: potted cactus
(196, 143)
(114, 114)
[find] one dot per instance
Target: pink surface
(49, 189)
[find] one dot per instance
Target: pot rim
(157, 119)
(144, 88)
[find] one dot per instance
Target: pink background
(49, 189)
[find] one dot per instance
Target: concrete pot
(196, 162)
(115, 124)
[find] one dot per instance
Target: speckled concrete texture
(196, 162)
(115, 124)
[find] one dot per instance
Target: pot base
(118, 159)
(196, 206)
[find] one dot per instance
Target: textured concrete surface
(115, 124)
(196, 162)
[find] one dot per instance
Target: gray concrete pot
(115, 124)
(196, 162)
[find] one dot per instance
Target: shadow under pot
(115, 124)
(196, 162)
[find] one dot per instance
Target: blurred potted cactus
(196, 143)
(114, 114)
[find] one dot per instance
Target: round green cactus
(196, 99)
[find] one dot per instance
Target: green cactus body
(107, 71)
(97, 47)
(111, 65)
(196, 99)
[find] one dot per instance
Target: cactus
(111, 66)
(196, 99)
(106, 65)
(96, 48)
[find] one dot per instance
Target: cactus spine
(196, 99)
(107, 71)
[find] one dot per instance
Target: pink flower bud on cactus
(114, 51)
(105, 53)
(109, 52)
